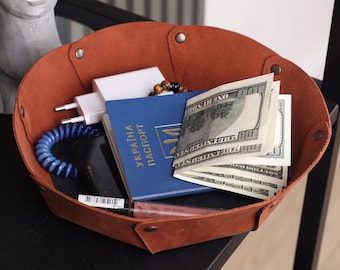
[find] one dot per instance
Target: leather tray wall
(200, 57)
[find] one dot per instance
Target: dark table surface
(33, 238)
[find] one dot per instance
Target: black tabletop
(33, 238)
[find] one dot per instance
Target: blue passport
(143, 134)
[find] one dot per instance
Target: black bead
(175, 86)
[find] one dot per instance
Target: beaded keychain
(168, 86)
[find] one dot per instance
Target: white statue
(27, 32)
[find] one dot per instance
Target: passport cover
(143, 134)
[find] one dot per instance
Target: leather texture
(208, 57)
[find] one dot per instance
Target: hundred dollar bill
(280, 155)
(273, 174)
(240, 188)
(227, 122)
(239, 180)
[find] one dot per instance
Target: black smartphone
(97, 166)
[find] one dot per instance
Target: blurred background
(297, 30)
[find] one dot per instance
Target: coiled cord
(43, 148)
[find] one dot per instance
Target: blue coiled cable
(43, 148)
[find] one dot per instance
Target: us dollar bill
(240, 180)
(280, 155)
(277, 175)
(223, 183)
(227, 122)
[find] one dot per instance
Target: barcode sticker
(101, 201)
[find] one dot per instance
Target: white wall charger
(91, 107)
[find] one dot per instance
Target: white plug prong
(65, 107)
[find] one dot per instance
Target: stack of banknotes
(237, 137)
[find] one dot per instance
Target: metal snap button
(180, 37)
(79, 53)
(151, 229)
(22, 111)
(318, 135)
(276, 69)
